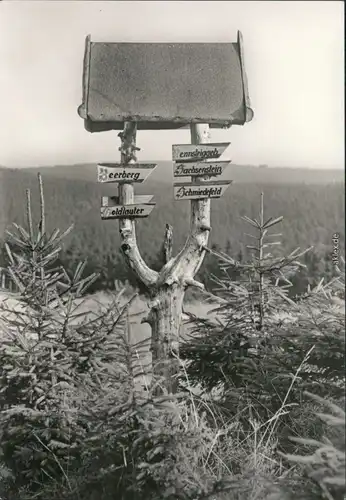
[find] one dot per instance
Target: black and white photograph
(172, 250)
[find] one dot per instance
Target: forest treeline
(257, 412)
(312, 214)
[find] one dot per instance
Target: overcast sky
(294, 58)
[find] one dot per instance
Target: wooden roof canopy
(164, 85)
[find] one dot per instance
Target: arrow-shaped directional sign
(200, 152)
(112, 201)
(127, 211)
(192, 191)
(117, 172)
(193, 169)
(141, 207)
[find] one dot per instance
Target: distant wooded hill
(239, 173)
(311, 201)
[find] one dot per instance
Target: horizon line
(259, 166)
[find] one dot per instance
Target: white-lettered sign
(127, 211)
(203, 169)
(117, 172)
(112, 201)
(198, 152)
(192, 191)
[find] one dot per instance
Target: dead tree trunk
(166, 287)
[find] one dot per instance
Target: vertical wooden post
(200, 133)
(127, 227)
(127, 155)
(200, 209)
(166, 314)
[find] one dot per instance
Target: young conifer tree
(324, 460)
(263, 340)
(247, 304)
(53, 358)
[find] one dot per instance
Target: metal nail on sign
(192, 191)
(208, 168)
(193, 152)
(117, 172)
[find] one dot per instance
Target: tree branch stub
(168, 243)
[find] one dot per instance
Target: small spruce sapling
(325, 464)
(267, 349)
(248, 306)
(52, 355)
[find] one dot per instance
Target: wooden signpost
(115, 207)
(112, 209)
(122, 92)
(127, 211)
(203, 168)
(191, 152)
(112, 201)
(118, 172)
(199, 169)
(194, 191)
